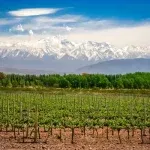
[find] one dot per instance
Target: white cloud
(51, 24)
(54, 25)
(60, 19)
(9, 21)
(33, 12)
(119, 36)
(68, 28)
(97, 24)
(101, 31)
(20, 28)
(17, 28)
(31, 32)
(5, 21)
(79, 28)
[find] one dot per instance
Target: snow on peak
(60, 47)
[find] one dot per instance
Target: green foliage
(2, 75)
(137, 80)
(64, 83)
(75, 110)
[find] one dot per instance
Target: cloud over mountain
(75, 26)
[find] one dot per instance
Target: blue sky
(121, 9)
(102, 19)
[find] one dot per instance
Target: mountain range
(57, 54)
(120, 66)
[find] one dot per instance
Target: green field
(25, 110)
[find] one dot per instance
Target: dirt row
(90, 141)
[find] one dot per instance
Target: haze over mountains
(59, 55)
(120, 66)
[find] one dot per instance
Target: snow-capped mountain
(59, 48)
(57, 52)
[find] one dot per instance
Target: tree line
(138, 80)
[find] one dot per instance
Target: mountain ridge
(120, 66)
(59, 48)
(61, 55)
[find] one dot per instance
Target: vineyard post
(72, 137)
(28, 117)
(144, 117)
(107, 117)
(36, 124)
(2, 113)
(13, 126)
(7, 125)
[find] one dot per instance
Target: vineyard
(27, 115)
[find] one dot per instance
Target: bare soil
(91, 141)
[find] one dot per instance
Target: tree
(52, 81)
(2, 75)
(103, 82)
(27, 83)
(32, 84)
(119, 84)
(83, 81)
(14, 83)
(64, 83)
(9, 84)
(22, 83)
